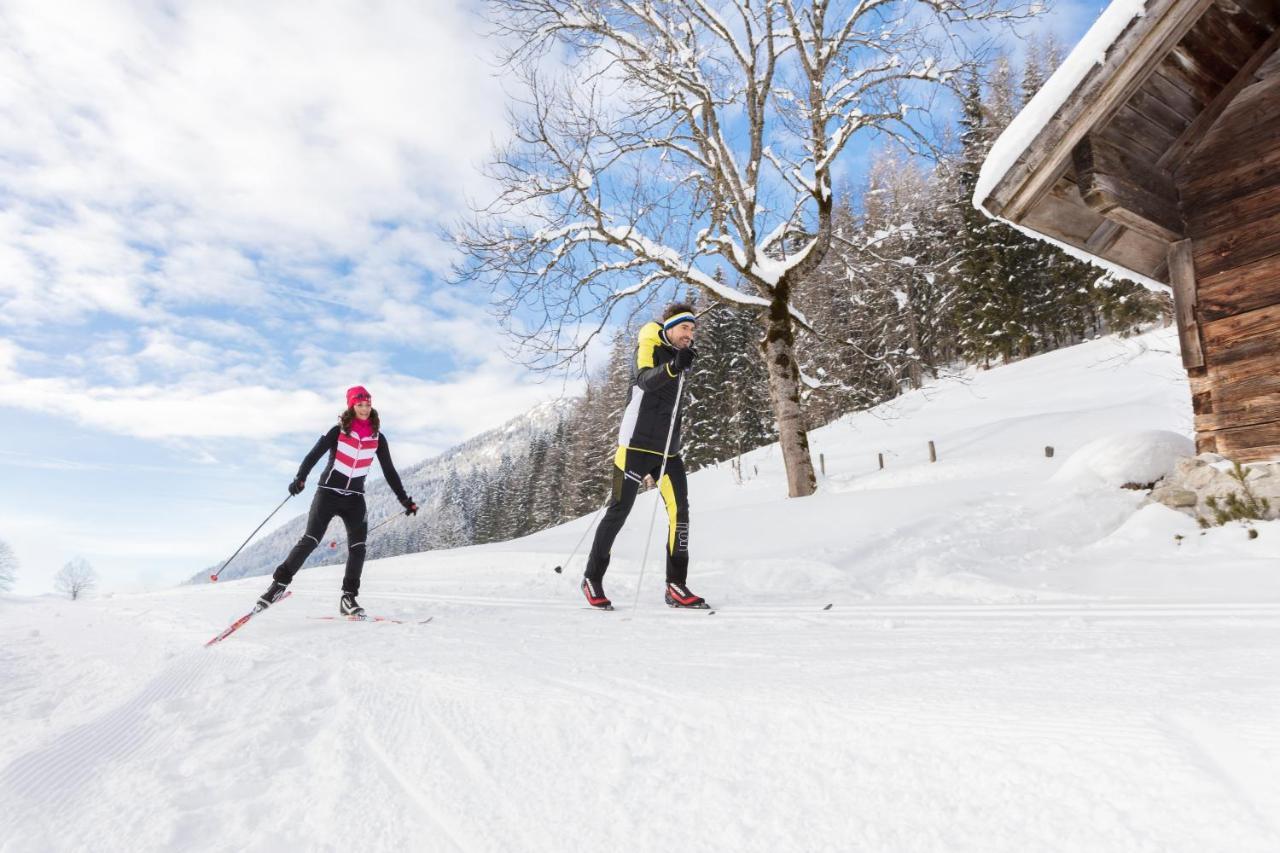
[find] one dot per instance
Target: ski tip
(828, 607)
(559, 569)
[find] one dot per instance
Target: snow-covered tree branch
(657, 140)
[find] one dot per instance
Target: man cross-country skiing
(665, 351)
(352, 446)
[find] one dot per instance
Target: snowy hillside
(1018, 656)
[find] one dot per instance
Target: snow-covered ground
(1018, 657)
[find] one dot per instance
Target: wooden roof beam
(1121, 187)
(1185, 145)
(1128, 64)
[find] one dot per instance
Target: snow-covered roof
(1028, 124)
(1093, 162)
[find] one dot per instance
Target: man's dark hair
(677, 308)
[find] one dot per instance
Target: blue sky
(213, 219)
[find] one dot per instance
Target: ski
(239, 623)
(373, 619)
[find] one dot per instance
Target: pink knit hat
(357, 393)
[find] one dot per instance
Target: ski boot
(348, 607)
(678, 595)
(270, 597)
(594, 592)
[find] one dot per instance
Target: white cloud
(152, 149)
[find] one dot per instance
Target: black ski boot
(270, 597)
(594, 592)
(348, 607)
(678, 595)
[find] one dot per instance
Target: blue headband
(683, 317)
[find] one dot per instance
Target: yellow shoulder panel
(649, 342)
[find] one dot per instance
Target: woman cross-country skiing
(352, 446)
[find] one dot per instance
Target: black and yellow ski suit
(642, 438)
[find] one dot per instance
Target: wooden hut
(1156, 148)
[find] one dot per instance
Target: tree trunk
(784, 393)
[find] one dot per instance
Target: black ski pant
(327, 504)
(629, 470)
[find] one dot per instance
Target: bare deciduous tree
(8, 567)
(677, 135)
(75, 578)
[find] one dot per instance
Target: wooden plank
(1103, 237)
(1140, 252)
(1177, 98)
(1128, 63)
(1204, 220)
(1138, 132)
(1232, 248)
(1232, 343)
(1121, 185)
(1251, 171)
(1249, 118)
(1240, 290)
(1233, 28)
(1265, 410)
(1184, 71)
(1207, 47)
(1170, 122)
(1265, 12)
(1248, 443)
(1269, 68)
(1196, 133)
(1252, 400)
(1182, 278)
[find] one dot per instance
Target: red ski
(239, 623)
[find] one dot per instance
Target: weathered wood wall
(1230, 196)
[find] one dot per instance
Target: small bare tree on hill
(674, 136)
(76, 578)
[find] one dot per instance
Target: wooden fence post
(881, 455)
(933, 454)
(1048, 451)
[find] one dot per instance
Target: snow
(1140, 457)
(1011, 656)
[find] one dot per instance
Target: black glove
(684, 359)
(296, 487)
(410, 508)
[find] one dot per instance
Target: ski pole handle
(214, 577)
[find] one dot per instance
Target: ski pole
(214, 577)
(662, 472)
(581, 539)
(386, 520)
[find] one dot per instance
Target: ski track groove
(50, 775)
(422, 804)
(1202, 755)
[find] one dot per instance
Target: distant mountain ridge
(433, 483)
